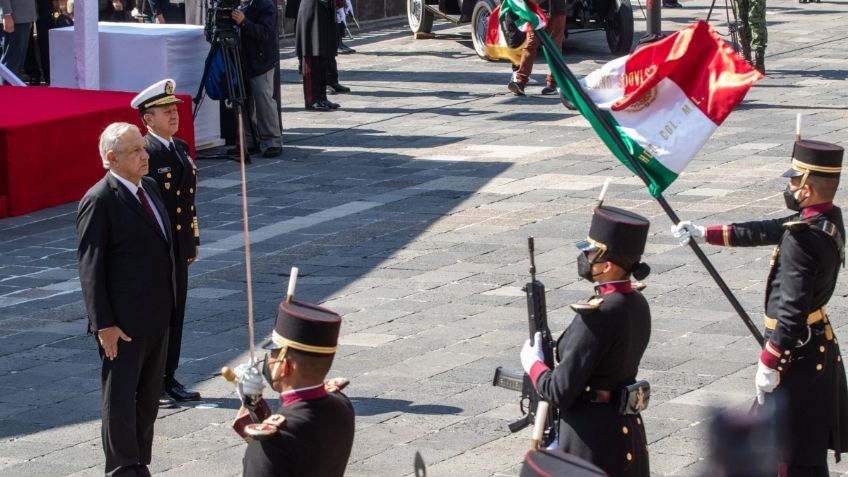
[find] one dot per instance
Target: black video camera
(219, 19)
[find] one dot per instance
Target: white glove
(685, 231)
(532, 353)
(766, 380)
(250, 382)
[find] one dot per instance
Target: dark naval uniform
(598, 355)
(176, 175)
(314, 441)
(800, 341)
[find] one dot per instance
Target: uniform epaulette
(584, 307)
(796, 226)
(266, 428)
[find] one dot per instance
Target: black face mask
(266, 370)
(584, 268)
(790, 199)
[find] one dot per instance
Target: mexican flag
(659, 105)
(508, 24)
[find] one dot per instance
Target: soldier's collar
(621, 286)
(817, 209)
(303, 394)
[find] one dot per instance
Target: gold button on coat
(818, 367)
(629, 456)
(821, 348)
(625, 430)
(191, 190)
(178, 192)
(179, 227)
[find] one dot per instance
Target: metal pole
(246, 235)
(553, 53)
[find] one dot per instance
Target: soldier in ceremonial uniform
(176, 175)
(598, 354)
(801, 358)
(312, 433)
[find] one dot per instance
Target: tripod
(733, 28)
(226, 43)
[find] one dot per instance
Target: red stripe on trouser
(307, 80)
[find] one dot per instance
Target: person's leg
(525, 67)
(267, 115)
(148, 390)
(759, 33)
(556, 28)
(309, 81)
(119, 379)
(15, 47)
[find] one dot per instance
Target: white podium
(133, 56)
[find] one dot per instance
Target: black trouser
(132, 383)
(175, 331)
(332, 71)
(315, 70)
(175, 13)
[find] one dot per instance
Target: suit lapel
(133, 203)
(154, 199)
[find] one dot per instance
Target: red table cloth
(49, 138)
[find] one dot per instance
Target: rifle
(537, 318)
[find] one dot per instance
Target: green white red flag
(663, 101)
(525, 17)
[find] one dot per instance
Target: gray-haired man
(126, 267)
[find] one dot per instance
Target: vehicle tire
(619, 28)
(420, 19)
(479, 25)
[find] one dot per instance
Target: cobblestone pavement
(408, 212)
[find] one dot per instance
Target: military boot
(760, 60)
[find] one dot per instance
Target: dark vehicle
(615, 17)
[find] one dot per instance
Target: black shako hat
(305, 327)
(815, 158)
(556, 463)
(616, 231)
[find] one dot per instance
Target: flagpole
(552, 52)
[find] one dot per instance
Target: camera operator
(256, 22)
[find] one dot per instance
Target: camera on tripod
(219, 19)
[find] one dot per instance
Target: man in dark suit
(167, 11)
(176, 175)
(312, 433)
(126, 271)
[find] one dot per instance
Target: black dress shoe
(338, 88)
(272, 151)
(332, 105)
(671, 4)
(179, 393)
(516, 88)
(235, 151)
(345, 50)
(549, 89)
(166, 402)
(319, 106)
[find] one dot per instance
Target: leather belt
(814, 317)
(598, 396)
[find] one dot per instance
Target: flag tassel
(554, 56)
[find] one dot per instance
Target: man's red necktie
(146, 204)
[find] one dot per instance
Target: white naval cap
(158, 94)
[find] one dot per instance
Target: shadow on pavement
(375, 406)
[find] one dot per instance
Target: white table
(133, 56)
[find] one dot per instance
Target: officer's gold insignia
(169, 87)
(584, 307)
(167, 186)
